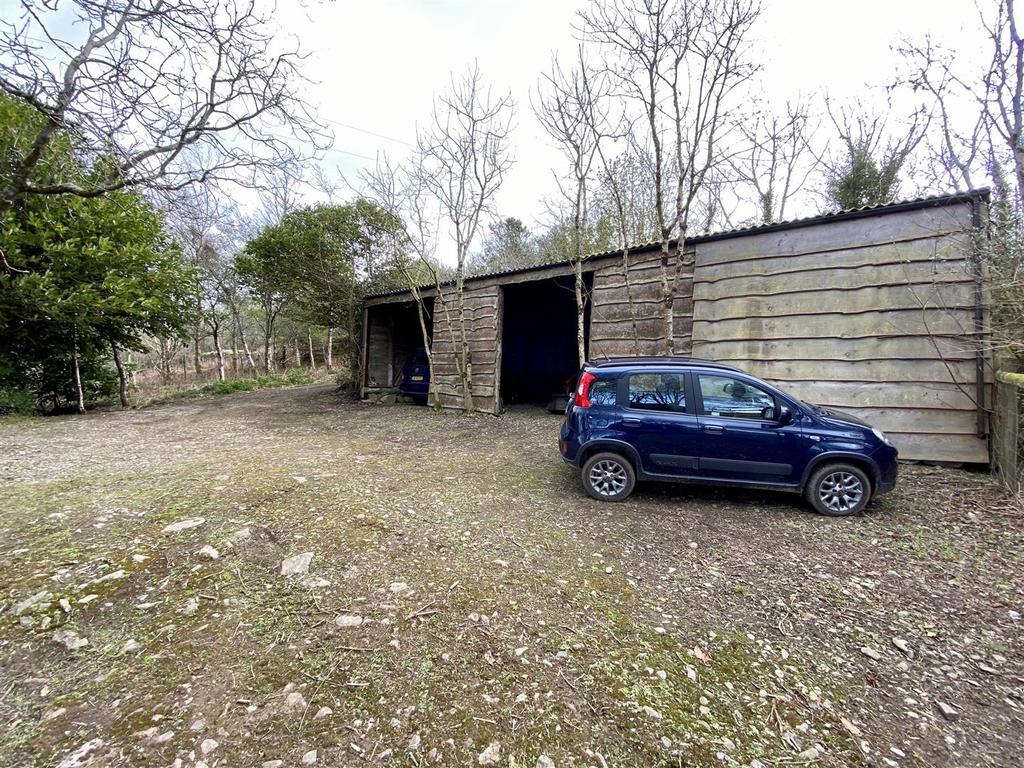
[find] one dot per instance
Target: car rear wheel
(839, 490)
(608, 477)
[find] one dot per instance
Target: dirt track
(487, 601)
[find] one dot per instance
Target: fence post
(1006, 443)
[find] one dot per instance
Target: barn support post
(499, 323)
(978, 234)
(363, 335)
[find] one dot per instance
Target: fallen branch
(422, 611)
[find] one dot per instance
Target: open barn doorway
(539, 361)
(394, 348)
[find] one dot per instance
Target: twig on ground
(422, 611)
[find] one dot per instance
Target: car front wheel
(839, 490)
(608, 477)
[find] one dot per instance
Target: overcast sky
(379, 64)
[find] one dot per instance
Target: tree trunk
(197, 361)
(581, 340)
(466, 369)
(131, 371)
(298, 353)
(329, 349)
(581, 307)
(165, 362)
(667, 298)
(234, 348)
(220, 352)
(122, 380)
(77, 376)
(312, 357)
(268, 353)
(248, 352)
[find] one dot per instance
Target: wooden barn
(876, 311)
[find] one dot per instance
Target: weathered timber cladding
(630, 321)
(873, 316)
(483, 323)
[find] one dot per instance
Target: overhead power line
(368, 131)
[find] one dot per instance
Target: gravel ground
(465, 602)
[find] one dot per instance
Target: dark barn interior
(393, 332)
(538, 347)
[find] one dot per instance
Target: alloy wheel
(608, 477)
(841, 491)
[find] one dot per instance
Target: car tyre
(608, 477)
(838, 490)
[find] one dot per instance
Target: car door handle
(631, 422)
(713, 428)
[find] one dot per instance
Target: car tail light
(582, 398)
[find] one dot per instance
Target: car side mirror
(785, 416)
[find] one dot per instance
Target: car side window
(657, 392)
(604, 392)
(728, 397)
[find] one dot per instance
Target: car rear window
(657, 392)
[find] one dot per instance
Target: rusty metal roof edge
(935, 201)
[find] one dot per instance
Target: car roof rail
(651, 360)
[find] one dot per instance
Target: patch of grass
(928, 545)
(293, 378)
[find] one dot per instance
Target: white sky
(379, 64)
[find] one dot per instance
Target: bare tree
(978, 133)
(625, 196)
(957, 152)
(401, 193)
(1004, 94)
(979, 121)
(567, 107)
(146, 88)
(866, 169)
(776, 160)
(680, 61)
(461, 160)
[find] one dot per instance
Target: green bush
(17, 401)
(231, 385)
(298, 376)
(345, 378)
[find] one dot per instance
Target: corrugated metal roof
(849, 213)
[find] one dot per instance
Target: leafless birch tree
(400, 192)
(461, 161)
(680, 62)
(567, 106)
(776, 160)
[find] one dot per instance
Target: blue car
(416, 375)
(690, 420)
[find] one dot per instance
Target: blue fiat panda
(690, 420)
